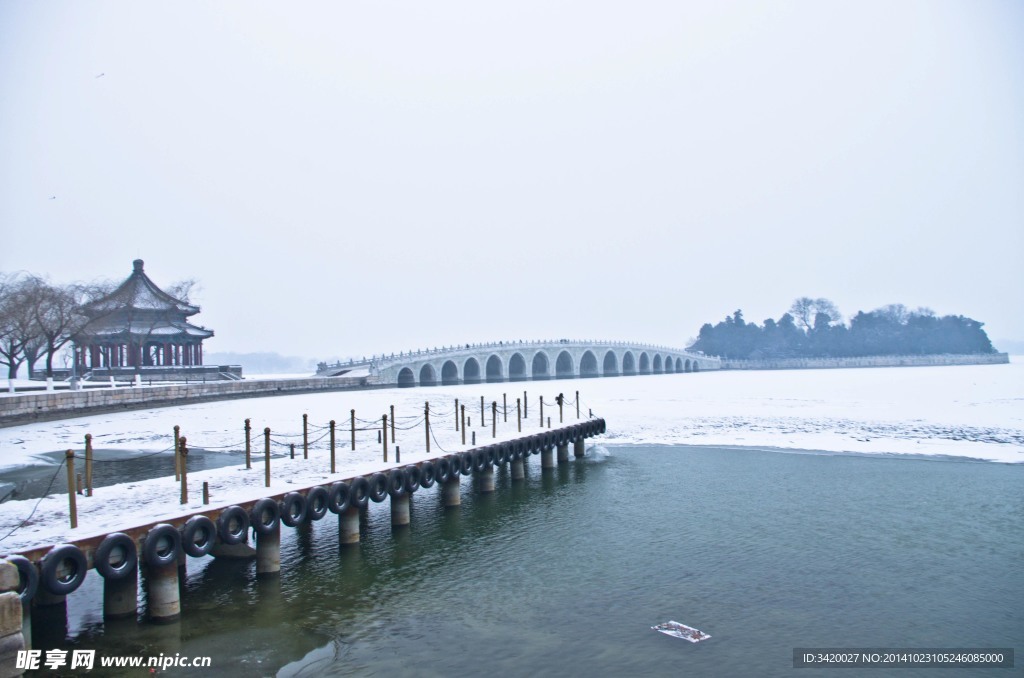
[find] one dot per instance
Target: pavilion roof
(160, 330)
(140, 293)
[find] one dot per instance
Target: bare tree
(805, 310)
(58, 316)
(19, 334)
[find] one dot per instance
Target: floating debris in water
(677, 630)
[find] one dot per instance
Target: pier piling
(268, 552)
(547, 456)
(400, 510)
(450, 493)
(163, 601)
(563, 453)
(579, 448)
(348, 526)
(120, 597)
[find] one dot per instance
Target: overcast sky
(344, 177)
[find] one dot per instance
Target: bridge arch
(669, 365)
(688, 367)
(427, 375)
(628, 364)
(517, 368)
(696, 366)
(611, 364)
(588, 365)
(494, 369)
(657, 369)
(540, 366)
(449, 373)
(645, 363)
(406, 379)
(563, 366)
(679, 364)
(471, 371)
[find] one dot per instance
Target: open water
(565, 574)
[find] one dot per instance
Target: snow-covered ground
(965, 411)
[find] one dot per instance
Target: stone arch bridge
(524, 361)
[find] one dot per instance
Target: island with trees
(814, 328)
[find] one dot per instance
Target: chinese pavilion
(138, 325)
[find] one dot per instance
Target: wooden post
(426, 423)
(183, 451)
(392, 424)
(494, 419)
(248, 446)
(69, 458)
(577, 404)
(591, 413)
(384, 427)
(88, 464)
(305, 436)
(526, 406)
(457, 415)
(293, 450)
(79, 487)
(266, 456)
(561, 400)
(463, 424)
(474, 439)
(353, 430)
(177, 460)
(504, 407)
(542, 411)
(206, 492)
(398, 454)
(549, 422)
(332, 446)
(519, 416)
(483, 421)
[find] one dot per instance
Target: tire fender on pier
(378, 487)
(233, 525)
(396, 482)
(292, 508)
(63, 569)
(116, 557)
(198, 536)
(316, 503)
(359, 492)
(161, 546)
(428, 474)
(412, 478)
(339, 495)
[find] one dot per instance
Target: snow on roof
(138, 292)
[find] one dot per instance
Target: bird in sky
(53, 197)
(101, 75)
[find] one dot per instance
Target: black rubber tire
(378, 487)
(481, 460)
(466, 463)
(49, 578)
(517, 453)
(604, 426)
(292, 509)
(265, 516)
(233, 525)
(161, 546)
(443, 470)
(396, 482)
(536, 442)
(198, 525)
(316, 503)
(359, 492)
(412, 479)
(501, 456)
(125, 546)
(338, 497)
(428, 475)
(28, 578)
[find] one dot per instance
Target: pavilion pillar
(199, 349)
(94, 356)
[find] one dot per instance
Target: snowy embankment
(971, 412)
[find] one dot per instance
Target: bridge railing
(502, 345)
